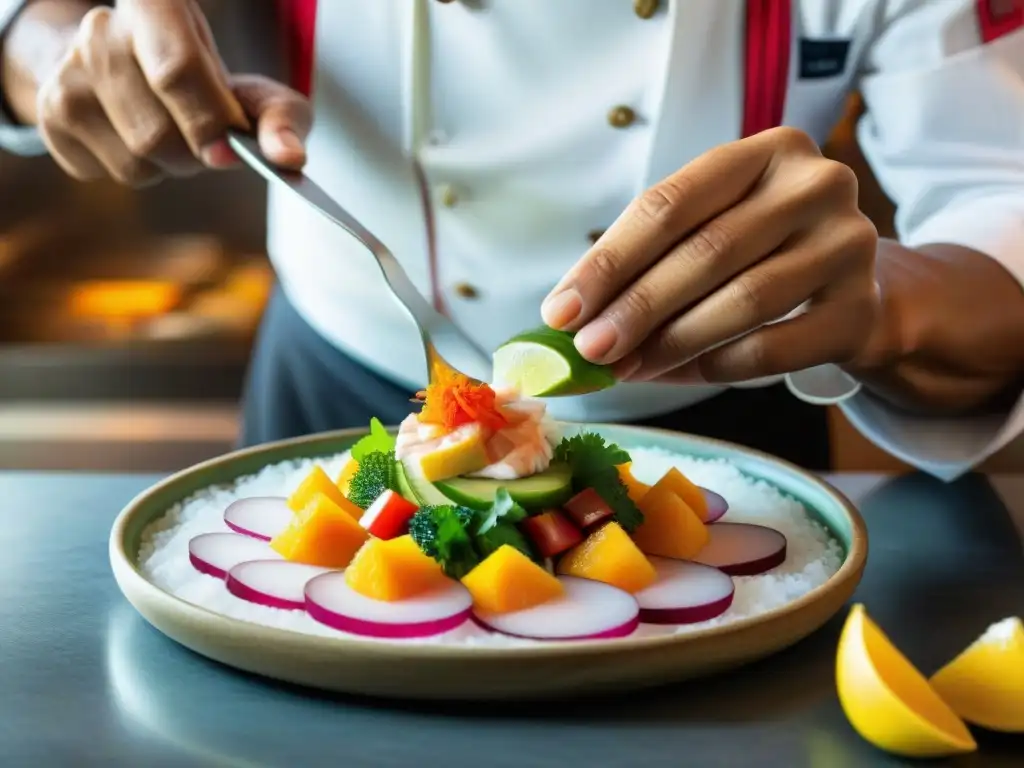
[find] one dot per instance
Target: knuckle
(793, 140)
(746, 294)
(834, 179)
(603, 265)
(146, 141)
(711, 243)
(70, 108)
(94, 24)
(658, 203)
(639, 304)
(175, 72)
(858, 241)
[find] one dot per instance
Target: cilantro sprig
(594, 465)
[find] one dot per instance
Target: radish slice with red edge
(262, 517)
(717, 505)
(388, 516)
(684, 593)
(588, 610)
(217, 553)
(332, 602)
(272, 583)
(741, 549)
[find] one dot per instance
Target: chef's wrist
(35, 42)
(950, 334)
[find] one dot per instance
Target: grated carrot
(452, 400)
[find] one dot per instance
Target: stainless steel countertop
(84, 681)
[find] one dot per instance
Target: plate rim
(130, 578)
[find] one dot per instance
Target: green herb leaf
(498, 526)
(594, 465)
(377, 441)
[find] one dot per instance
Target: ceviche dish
(484, 522)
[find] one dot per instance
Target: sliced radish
(588, 610)
(273, 583)
(388, 516)
(331, 601)
(717, 505)
(684, 593)
(217, 553)
(741, 549)
(262, 517)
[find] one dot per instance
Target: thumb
(283, 118)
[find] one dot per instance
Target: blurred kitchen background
(126, 317)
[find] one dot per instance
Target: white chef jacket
(474, 138)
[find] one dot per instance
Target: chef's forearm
(35, 43)
(953, 340)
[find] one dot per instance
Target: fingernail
(562, 308)
(627, 366)
(218, 155)
(285, 141)
(596, 339)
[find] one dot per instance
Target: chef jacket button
(448, 196)
(621, 117)
(645, 8)
(466, 291)
(594, 235)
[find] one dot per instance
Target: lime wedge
(545, 363)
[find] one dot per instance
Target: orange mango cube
(394, 569)
(670, 527)
(510, 581)
(346, 475)
(634, 488)
(316, 482)
(609, 555)
(322, 533)
(680, 485)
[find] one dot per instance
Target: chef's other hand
(142, 93)
(687, 283)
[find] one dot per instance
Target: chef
(643, 172)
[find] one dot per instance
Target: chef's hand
(142, 93)
(686, 284)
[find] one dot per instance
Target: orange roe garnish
(452, 400)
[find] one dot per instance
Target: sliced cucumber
(402, 481)
(550, 488)
(423, 491)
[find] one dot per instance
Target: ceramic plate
(474, 672)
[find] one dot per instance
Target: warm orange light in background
(124, 299)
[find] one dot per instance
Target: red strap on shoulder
(998, 18)
(766, 65)
(299, 19)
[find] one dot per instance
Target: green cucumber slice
(550, 488)
(423, 491)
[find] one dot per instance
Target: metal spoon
(437, 332)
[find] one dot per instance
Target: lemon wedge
(985, 683)
(887, 701)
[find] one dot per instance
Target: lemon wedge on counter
(888, 701)
(985, 683)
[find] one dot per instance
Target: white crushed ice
(812, 555)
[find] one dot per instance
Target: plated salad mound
(475, 513)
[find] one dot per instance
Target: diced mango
(634, 488)
(316, 482)
(679, 484)
(510, 581)
(395, 569)
(459, 457)
(346, 475)
(609, 555)
(670, 528)
(322, 533)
